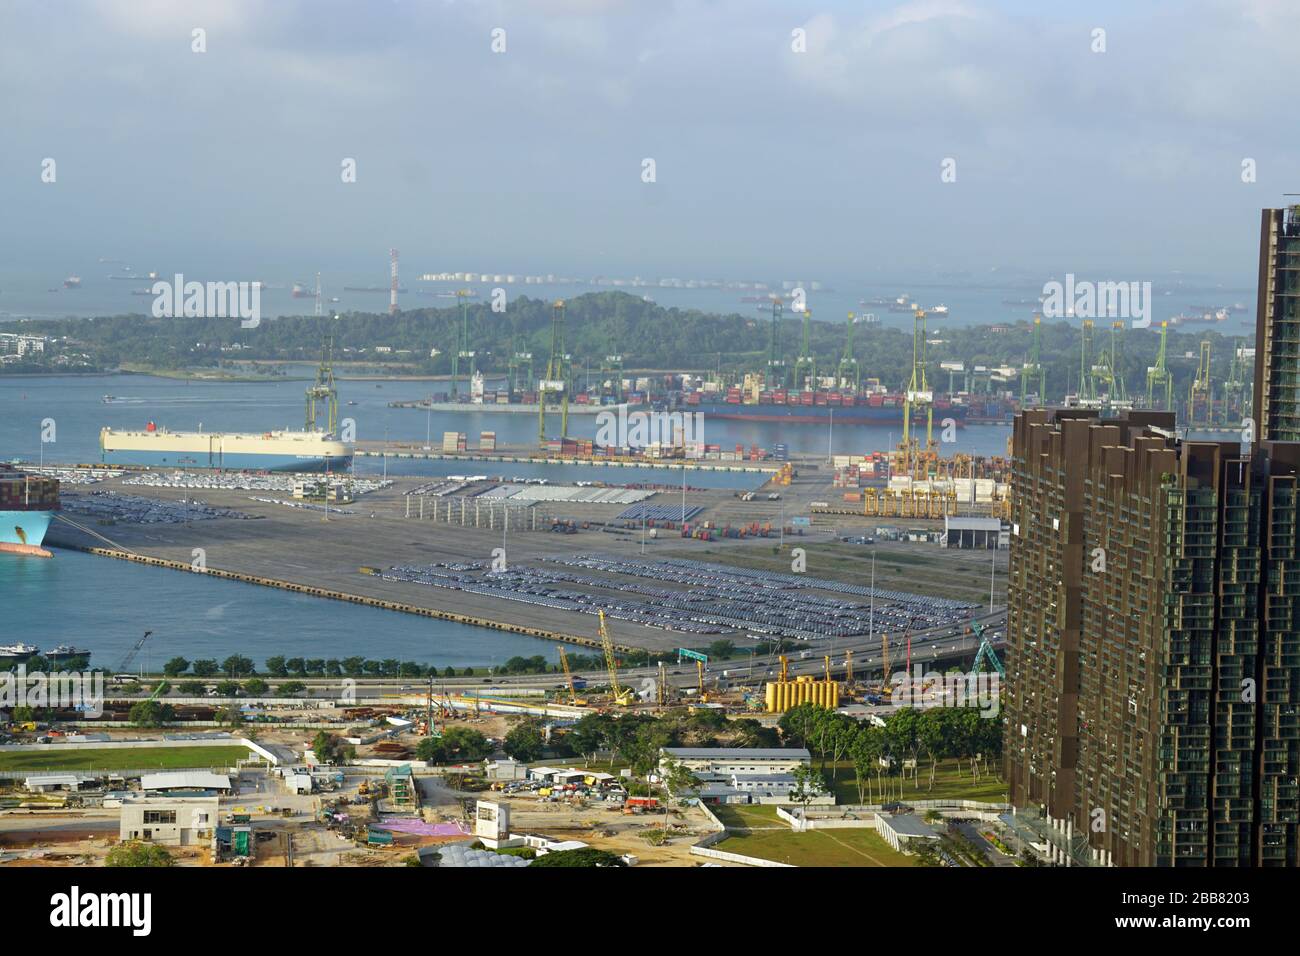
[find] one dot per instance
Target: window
(160, 816)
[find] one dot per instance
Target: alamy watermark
(924, 690)
(65, 690)
(623, 429)
(1098, 300)
(208, 300)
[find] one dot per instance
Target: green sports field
(144, 758)
(757, 831)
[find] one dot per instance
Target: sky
(769, 161)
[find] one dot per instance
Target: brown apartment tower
(1152, 700)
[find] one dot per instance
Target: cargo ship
(844, 407)
(267, 451)
(27, 505)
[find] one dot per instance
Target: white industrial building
(174, 821)
(974, 533)
(186, 780)
(742, 775)
(721, 763)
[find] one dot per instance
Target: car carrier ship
(265, 451)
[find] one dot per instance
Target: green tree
(291, 688)
(229, 688)
(135, 853)
(431, 750)
(295, 666)
(524, 741)
(236, 665)
(256, 687)
(176, 666)
(808, 785)
(192, 688)
(206, 668)
(277, 666)
(464, 744)
(151, 713)
(587, 856)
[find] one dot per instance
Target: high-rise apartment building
(1277, 326)
(1152, 698)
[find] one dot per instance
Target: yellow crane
(848, 668)
(699, 675)
(568, 676)
(621, 696)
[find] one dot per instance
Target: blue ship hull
(24, 527)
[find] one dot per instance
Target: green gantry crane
(848, 374)
(1158, 374)
(557, 373)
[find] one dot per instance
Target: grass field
(760, 833)
(951, 782)
(144, 758)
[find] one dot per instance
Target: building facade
(1152, 698)
(174, 821)
(1277, 327)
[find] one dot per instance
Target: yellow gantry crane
(621, 696)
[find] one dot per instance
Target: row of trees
(885, 753)
(598, 324)
(278, 666)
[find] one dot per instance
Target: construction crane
(848, 668)
(1031, 373)
(918, 392)
(323, 391)
(621, 696)
(131, 654)
(775, 361)
(986, 652)
(884, 660)
(555, 382)
(1158, 374)
(848, 375)
(805, 363)
(463, 351)
(661, 691)
(785, 668)
(1201, 390)
(568, 676)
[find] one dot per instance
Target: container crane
(805, 364)
(775, 361)
(323, 391)
(1201, 392)
(1158, 374)
(1087, 389)
(621, 696)
(463, 351)
(1032, 373)
(848, 375)
(918, 393)
(556, 375)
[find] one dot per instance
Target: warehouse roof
(737, 753)
(952, 523)
(185, 780)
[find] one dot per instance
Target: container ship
(267, 451)
(27, 503)
(793, 406)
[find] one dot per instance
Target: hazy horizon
(770, 163)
